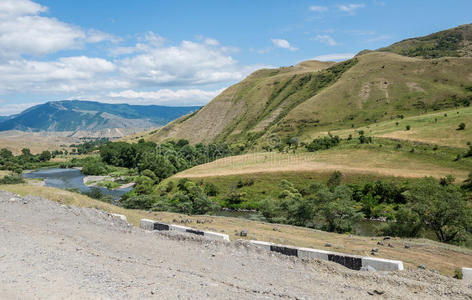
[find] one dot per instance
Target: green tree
(335, 211)
(442, 209)
(334, 180)
(45, 156)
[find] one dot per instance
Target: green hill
(455, 42)
(311, 98)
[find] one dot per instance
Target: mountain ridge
(78, 115)
(307, 100)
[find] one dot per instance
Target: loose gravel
(53, 251)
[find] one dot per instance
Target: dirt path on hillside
(52, 251)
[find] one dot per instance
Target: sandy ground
(52, 251)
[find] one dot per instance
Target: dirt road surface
(52, 251)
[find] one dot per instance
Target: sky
(185, 52)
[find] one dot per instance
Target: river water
(71, 179)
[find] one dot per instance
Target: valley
(304, 154)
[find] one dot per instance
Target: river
(70, 179)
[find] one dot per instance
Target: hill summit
(312, 98)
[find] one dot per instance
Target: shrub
(12, 179)
(461, 126)
(138, 201)
(94, 167)
(323, 143)
(408, 127)
(334, 180)
(211, 189)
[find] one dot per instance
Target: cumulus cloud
(334, 57)
(188, 63)
(63, 75)
(280, 43)
(27, 38)
(326, 39)
(350, 8)
(23, 30)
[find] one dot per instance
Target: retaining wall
(353, 262)
(154, 225)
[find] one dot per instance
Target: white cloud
(24, 31)
(97, 36)
(350, 8)
(11, 8)
(188, 63)
(63, 75)
(14, 108)
(152, 62)
(379, 38)
(318, 8)
(326, 39)
(334, 57)
(280, 43)
(212, 42)
(165, 96)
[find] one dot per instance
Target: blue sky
(186, 52)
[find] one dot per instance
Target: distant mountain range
(91, 116)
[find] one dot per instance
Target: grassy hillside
(318, 97)
(246, 106)
(455, 42)
(436, 128)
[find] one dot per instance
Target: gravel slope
(51, 251)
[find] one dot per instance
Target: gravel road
(52, 251)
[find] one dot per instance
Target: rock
(243, 233)
(368, 269)
(422, 267)
(407, 246)
(390, 245)
(25, 202)
(380, 243)
(328, 245)
(375, 250)
(276, 228)
(387, 238)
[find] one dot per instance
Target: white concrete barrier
(146, 224)
(154, 225)
(467, 273)
(122, 217)
(353, 262)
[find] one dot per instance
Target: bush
(138, 201)
(408, 127)
(211, 189)
(461, 126)
(334, 180)
(94, 167)
(323, 143)
(12, 179)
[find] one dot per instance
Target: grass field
(349, 159)
(442, 257)
(433, 128)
